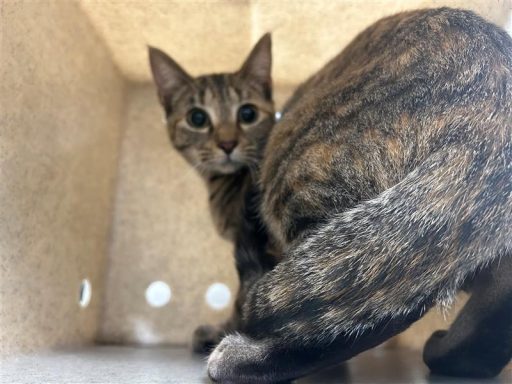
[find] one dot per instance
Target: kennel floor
(127, 365)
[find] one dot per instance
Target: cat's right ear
(167, 74)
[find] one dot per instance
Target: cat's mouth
(227, 164)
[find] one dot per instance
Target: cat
(220, 123)
(388, 185)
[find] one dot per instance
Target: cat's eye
(197, 118)
(247, 114)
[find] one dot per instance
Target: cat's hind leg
(479, 342)
(277, 359)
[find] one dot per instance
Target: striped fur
(229, 176)
(388, 183)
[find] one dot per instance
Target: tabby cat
(220, 124)
(388, 185)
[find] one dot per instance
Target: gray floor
(126, 365)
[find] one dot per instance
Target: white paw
(226, 363)
(214, 364)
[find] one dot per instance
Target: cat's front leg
(206, 337)
(252, 259)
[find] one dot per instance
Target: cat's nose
(228, 146)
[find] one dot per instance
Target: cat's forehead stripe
(220, 93)
(220, 83)
(245, 93)
(208, 96)
(199, 90)
(234, 94)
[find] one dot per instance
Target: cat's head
(218, 122)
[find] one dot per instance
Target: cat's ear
(167, 74)
(258, 65)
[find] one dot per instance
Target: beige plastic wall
(60, 106)
(213, 35)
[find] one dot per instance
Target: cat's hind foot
(466, 361)
(479, 342)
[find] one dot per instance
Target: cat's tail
(393, 256)
(369, 272)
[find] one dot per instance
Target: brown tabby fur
(388, 185)
(229, 177)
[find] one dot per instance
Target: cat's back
(406, 85)
(402, 41)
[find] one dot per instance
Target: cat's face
(220, 122)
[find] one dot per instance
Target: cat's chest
(226, 198)
(226, 218)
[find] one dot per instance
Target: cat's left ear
(258, 66)
(167, 74)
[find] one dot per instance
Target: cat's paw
(445, 357)
(217, 367)
(205, 338)
(237, 359)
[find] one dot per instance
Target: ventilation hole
(278, 116)
(158, 294)
(218, 296)
(85, 293)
